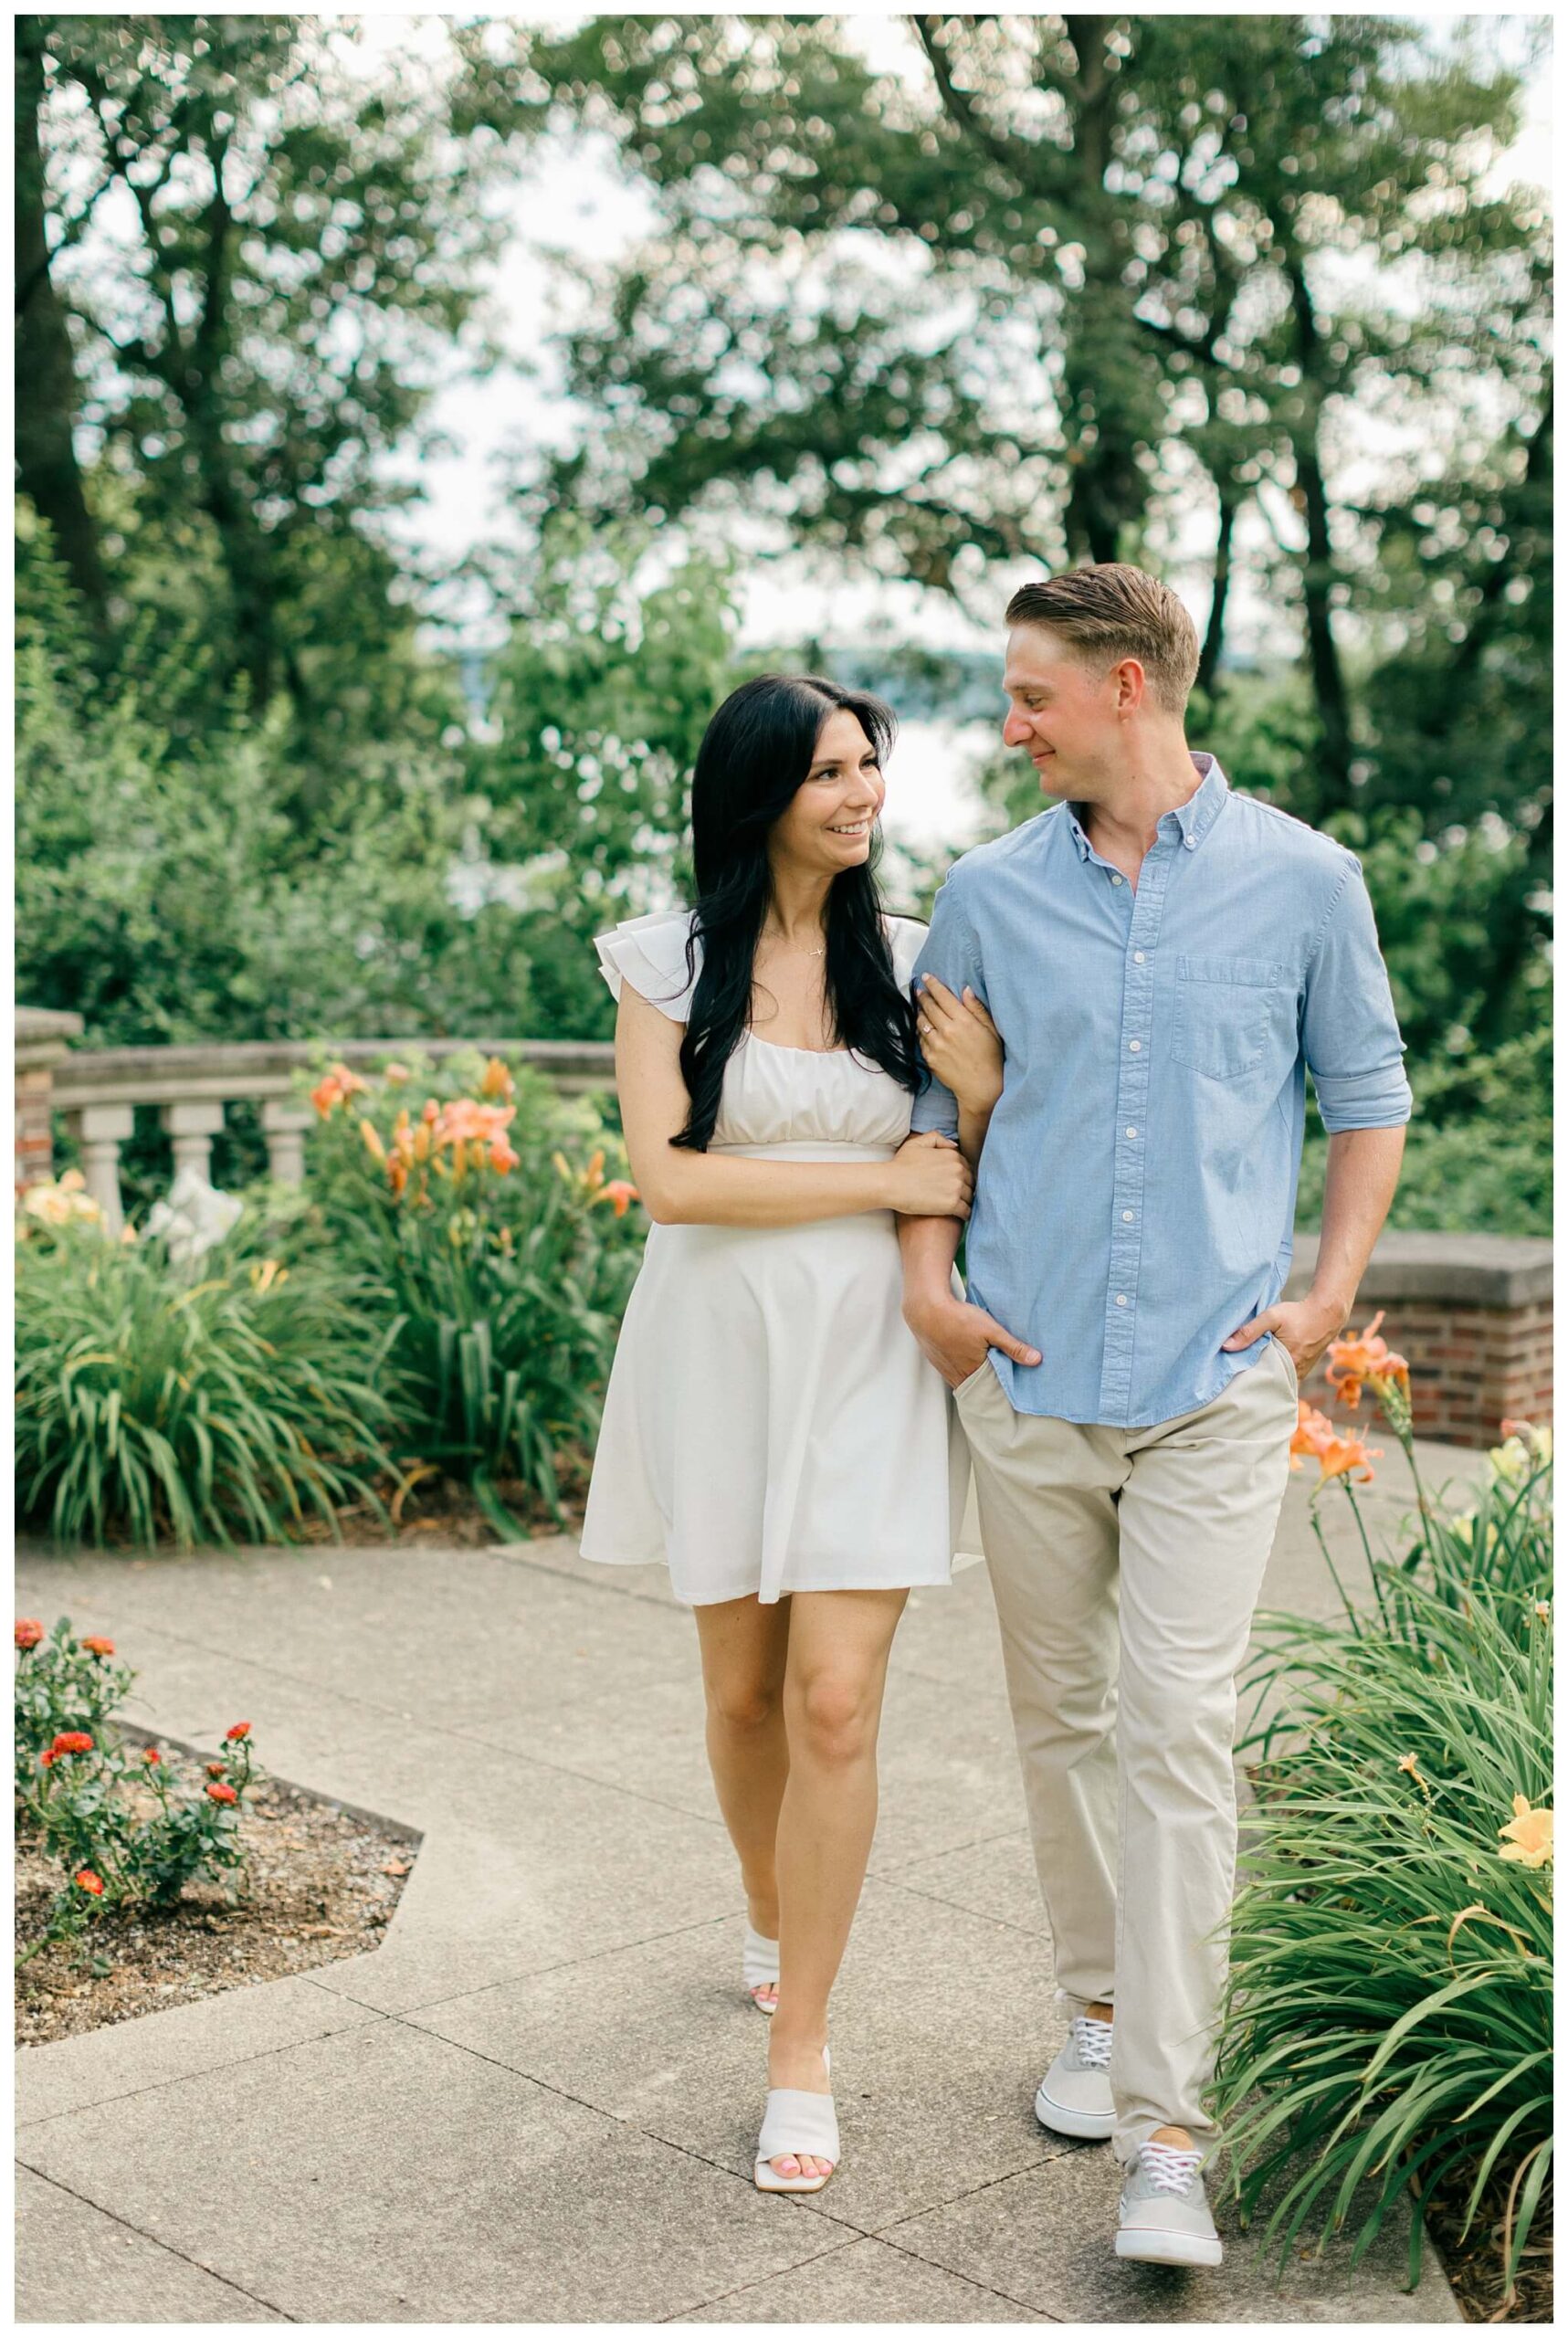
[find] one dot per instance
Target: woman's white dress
(770, 1424)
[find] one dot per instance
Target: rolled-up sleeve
(951, 954)
(1349, 1033)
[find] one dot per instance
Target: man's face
(1064, 713)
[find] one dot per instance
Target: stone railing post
(193, 1124)
(284, 1124)
(100, 1130)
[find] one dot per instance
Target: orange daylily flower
(339, 1084)
(622, 1193)
(498, 1081)
(1365, 1357)
(1314, 1430)
(1528, 1835)
(1344, 1456)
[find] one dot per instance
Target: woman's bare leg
(838, 1645)
(745, 1646)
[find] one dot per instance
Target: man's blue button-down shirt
(1136, 1194)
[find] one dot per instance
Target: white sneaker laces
(1170, 2168)
(1092, 2039)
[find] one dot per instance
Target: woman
(770, 1428)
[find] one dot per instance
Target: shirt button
(1121, 1299)
(1126, 1218)
(1192, 844)
(1116, 880)
(1131, 1132)
(1134, 1047)
(1138, 957)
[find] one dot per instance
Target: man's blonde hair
(1109, 611)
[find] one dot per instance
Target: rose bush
(105, 1814)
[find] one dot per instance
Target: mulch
(445, 1509)
(320, 1883)
(1475, 2265)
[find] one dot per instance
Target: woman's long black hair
(755, 754)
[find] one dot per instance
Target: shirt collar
(1194, 818)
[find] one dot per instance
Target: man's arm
(1351, 1039)
(953, 1335)
(1362, 1171)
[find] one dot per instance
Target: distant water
(933, 800)
(934, 809)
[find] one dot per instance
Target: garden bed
(321, 1883)
(1474, 2265)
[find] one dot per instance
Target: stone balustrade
(96, 1091)
(1472, 1312)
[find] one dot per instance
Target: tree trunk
(1214, 635)
(1329, 690)
(47, 467)
(246, 550)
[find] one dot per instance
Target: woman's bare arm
(926, 1178)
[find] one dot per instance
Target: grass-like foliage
(1388, 2022)
(209, 1402)
(502, 1266)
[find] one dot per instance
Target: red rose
(46, 1761)
(151, 1754)
(223, 1792)
(215, 1769)
(98, 1645)
(240, 1729)
(72, 1741)
(90, 1881)
(29, 1632)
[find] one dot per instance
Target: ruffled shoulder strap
(649, 953)
(906, 939)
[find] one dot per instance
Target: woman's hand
(928, 1177)
(962, 1045)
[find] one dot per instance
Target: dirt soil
(321, 1884)
(1474, 2265)
(444, 1509)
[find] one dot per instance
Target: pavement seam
(532, 1972)
(851, 2240)
(457, 1736)
(152, 2240)
(185, 2078)
(889, 2233)
(463, 1738)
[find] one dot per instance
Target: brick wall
(42, 1041)
(1472, 1316)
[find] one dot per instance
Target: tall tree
(47, 467)
(994, 315)
(296, 245)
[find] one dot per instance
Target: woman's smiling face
(829, 825)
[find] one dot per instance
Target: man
(1164, 960)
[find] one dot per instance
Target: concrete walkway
(537, 2101)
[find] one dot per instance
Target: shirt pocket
(1233, 1014)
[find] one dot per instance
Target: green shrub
(84, 1797)
(228, 1399)
(502, 1265)
(1389, 2013)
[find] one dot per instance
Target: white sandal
(759, 1967)
(795, 2123)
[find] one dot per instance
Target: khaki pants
(1126, 1565)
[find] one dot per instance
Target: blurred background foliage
(1072, 282)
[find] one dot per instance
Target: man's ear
(1131, 685)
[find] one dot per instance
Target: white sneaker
(1074, 2098)
(1164, 2217)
